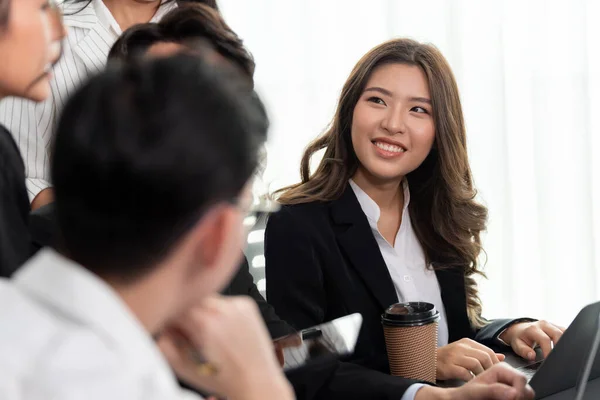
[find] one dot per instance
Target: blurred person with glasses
(146, 244)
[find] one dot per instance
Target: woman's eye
(420, 110)
(376, 100)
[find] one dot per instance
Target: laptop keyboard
(530, 370)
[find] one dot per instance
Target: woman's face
(392, 125)
(29, 45)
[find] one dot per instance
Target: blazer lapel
(358, 243)
(452, 285)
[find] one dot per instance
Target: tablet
(329, 340)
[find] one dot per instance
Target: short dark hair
(141, 152)
(135, 41)
(186, 23)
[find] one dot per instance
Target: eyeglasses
(260, 208)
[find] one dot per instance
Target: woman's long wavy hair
(446, 218)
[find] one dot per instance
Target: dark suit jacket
(323, 262)
(242, 284)
(325, 381)
(15, 242)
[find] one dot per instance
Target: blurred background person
(93, 26)
(30, 44)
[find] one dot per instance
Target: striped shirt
(92, 30)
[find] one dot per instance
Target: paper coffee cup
(411, 335)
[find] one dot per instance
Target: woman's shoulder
(306, 217)
(305, 209)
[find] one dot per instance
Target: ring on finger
(203, 367)
(206, 369)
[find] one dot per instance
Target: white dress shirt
(91, 33)
(405, 259)
(66, 335)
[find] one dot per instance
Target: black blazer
(329, 380)
(242, 284)
(15, 242)
(323, 262)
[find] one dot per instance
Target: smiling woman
(443, 169)
(396, 98)
(389, 216)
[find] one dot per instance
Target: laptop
(573, 355)
(584, 377)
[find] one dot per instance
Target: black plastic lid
(410, 314)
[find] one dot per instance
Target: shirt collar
(73, 291)
(163, 10)
(370, 207)
(107, 20)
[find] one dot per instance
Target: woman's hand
(464, 359)
(524, 337)
(230, 335)
(500, 382)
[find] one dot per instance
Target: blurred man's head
(150, 167)
(193, 28)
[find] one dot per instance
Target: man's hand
(228, 332)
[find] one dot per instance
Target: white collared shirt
(65, 334)
(405, 259)
(91, 32)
